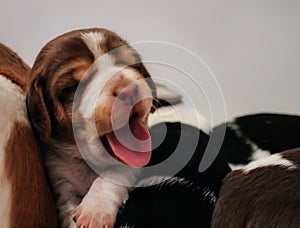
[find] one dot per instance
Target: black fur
(184, 204)
(180, 204)
(272, 132)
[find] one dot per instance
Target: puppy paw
(91, 216)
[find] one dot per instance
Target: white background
(252, 47)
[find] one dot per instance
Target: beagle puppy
(89, 99)
(26, 200)
(264, 193)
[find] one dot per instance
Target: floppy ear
(37, 111)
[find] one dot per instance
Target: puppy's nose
(129, 95)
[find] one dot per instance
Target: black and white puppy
(251, 137)
(113, 99)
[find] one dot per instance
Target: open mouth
(137, 150)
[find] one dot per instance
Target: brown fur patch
(12, 67)
(264, 197)
(32, 201)
(57, 69)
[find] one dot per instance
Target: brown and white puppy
(83, 95)
(26, 200)
(265, 193)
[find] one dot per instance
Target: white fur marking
(236, 166)
(93, 90)
(13, 109)
(256, 155)
(105, 195)
(259, 154)
(274, 160)
(92, 41)
(237, 130)
(94, 94)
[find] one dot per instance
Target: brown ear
(37, 111)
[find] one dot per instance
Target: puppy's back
(26, 200)
(266, 193)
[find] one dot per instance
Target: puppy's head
(112, 88)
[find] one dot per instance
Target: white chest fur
(12, 109)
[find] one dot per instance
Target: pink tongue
(138, 140)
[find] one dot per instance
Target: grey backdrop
(252, 47)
